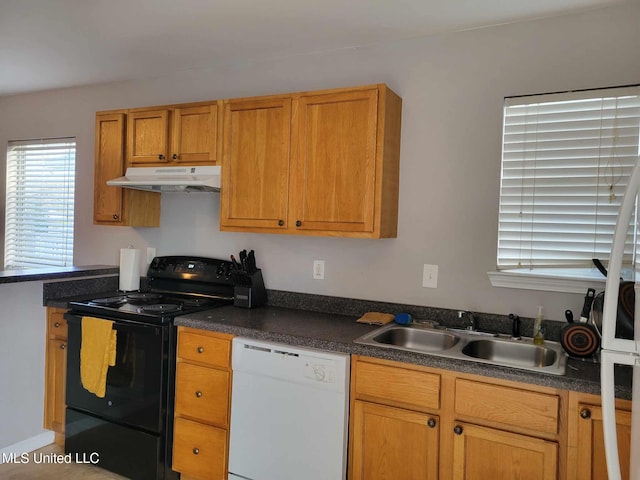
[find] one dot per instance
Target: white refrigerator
(619, 350)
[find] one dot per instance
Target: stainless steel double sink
(470, 345)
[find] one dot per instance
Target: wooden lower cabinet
(199, 450)
(55, 373)
(393, 443)
(202, 406)
(586, 442)
(480, 453)
(412, 423)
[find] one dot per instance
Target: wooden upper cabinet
(194, 136)
(109, 164)
(255, 167)
(115, 205)
(169, 136)
(335, 174)
(147, 136)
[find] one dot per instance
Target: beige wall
(452, 87)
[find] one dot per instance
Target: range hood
(170, 179)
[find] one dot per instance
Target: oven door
(137, 386)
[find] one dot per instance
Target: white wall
(452, 88)
(22, 352)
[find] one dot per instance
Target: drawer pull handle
(63, 346)
(431, 423)
(457, 430)
(57, 324)
(200, 349)
(198, 394)
(196, 451)
(585, 413)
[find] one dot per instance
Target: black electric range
(177, 285)
(130, 430)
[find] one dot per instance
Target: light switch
(430, 276)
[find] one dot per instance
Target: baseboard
(28, 445)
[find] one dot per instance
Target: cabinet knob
(63, 346)
(196, 451)
(280, 223)
(458, 430)
(160, 157)
(298, 223)
(175, 156)
(198, 393)
(431, 423)
(57, 324)
(200, 349)
(115, 216)
(585, 413)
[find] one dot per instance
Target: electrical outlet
(430, 276)
(318, 269)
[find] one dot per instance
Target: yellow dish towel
(97, 353)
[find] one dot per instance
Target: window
(39, 203)
(565, 163)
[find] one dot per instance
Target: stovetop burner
(109, 301)
(143, 297)
(159, 308)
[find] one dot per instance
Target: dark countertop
(55, 273)
(335, 332)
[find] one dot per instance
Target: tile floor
(46, 471)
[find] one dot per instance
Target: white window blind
(39, 203)
(565, 163)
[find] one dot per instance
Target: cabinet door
(56, 374)
(109, 164)
(334, 162)
(391, 443)
(255, 167)
(194, 135)
(147, 136)
(591, 462)
(480, 453)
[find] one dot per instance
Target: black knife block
(249, 291)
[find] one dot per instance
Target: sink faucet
(473, 323)
(515, 330)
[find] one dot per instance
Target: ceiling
(47, 44)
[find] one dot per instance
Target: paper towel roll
(129, 269)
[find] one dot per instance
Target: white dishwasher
(289, 411)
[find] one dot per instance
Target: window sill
(549, 280)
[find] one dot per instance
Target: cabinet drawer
(397, 385)
(202, 393)
(507, 406)
(204, 349)
(199, 451)
(56, 324)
